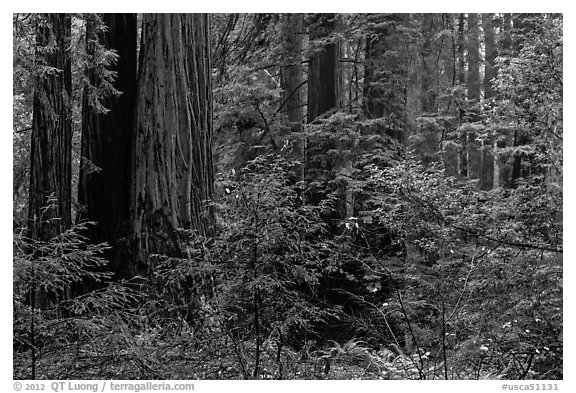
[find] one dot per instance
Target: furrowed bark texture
(324, 76)
(172, 170)
(104, 184)
(51, 144)
(291, 75)
(429, 55)
(473, 47)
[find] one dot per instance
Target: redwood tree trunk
(429, 55)
(324, 80)
(292, 79)
(490, 157)
(473, 151)
(172, 176)
(461, 47)
(490, 56)
(521, 138)
(473, 80)
(51, 145)
(385, 74)
(104, 184)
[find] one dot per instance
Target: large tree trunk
(293, 84)
(429, 64)
(385, 74)
(104, 184)
(324, 76)
(473, 80)
(51, 145)
(172, 176)
(292, 79)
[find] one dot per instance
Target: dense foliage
(412, 231)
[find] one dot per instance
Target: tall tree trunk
(172, 175)
(473, 84)
(501, 139)
(520, 24)
(473, 46)
(385, 74)
(293, 84)
(461, 46)
(292, 78)
(429, 64)
(490, 72)
(51, 145)
(324, 76)
(490, 55)
(104, 184)
(462, 163)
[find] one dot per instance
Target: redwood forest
(288, 196)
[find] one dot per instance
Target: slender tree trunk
(520, 23)
(51, 145)
(461, 46)
(473, 84)
(104, 184)
(489, 74)
(462, 164)
(172, 176)
(490, 55)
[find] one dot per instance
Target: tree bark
(460, 50)
(51, 146)
(490, 57)
(473, 153)
(172, 175)
(520, 24)
(292, 79)
(429, 64)
(324, 76)
(104, 184)
(491, 178)
(385, 74)
(473, 46)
